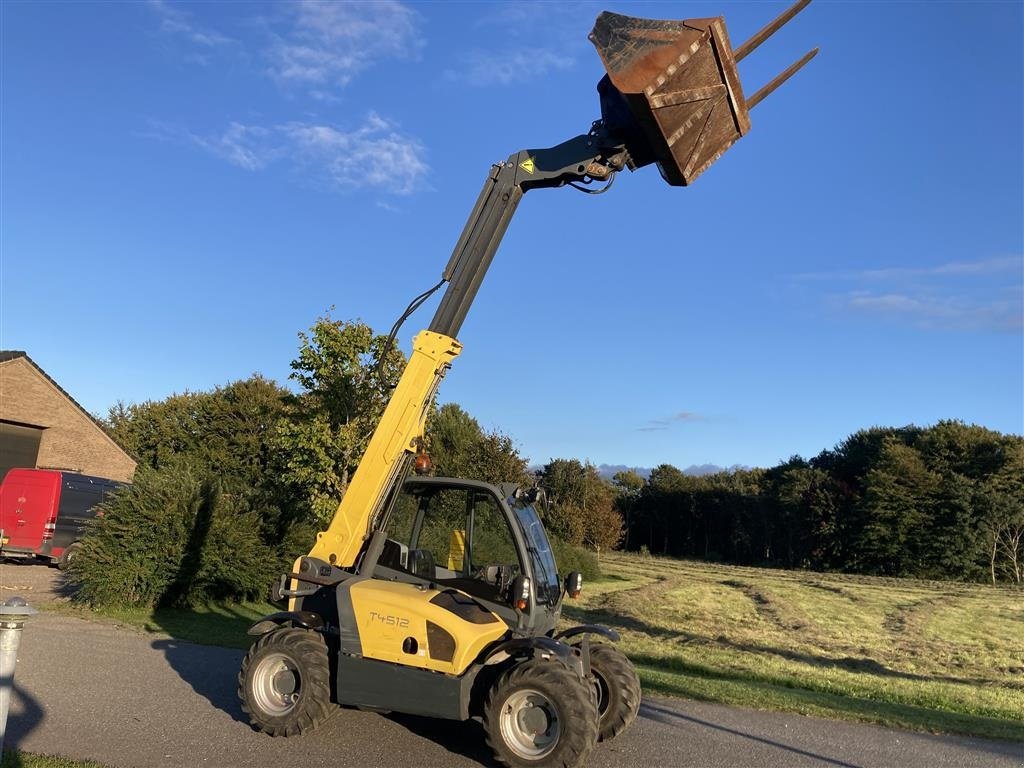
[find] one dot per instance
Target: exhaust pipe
(672, 90)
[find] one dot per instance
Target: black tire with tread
(622, 686)
(65, 558)
(308, 652)
(573, 698)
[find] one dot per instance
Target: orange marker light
(422, 465)
(574, 584)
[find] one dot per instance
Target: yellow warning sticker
(527, 165)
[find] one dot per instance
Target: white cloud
(992, 266)
(330, 42)
(480, 67)
(983, 294)
(949, 311)
(657, 425)
(247, 146)
(175, 21)
(316, 45)
(997, 265)
(566, 20)
(537, 39)
(373, 155)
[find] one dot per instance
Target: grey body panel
(347, 627)
(381, 685)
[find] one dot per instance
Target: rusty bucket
(673, 93)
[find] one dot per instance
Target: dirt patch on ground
(36, 582)
(769, 607)
(833, 589)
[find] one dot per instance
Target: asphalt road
(91, 690)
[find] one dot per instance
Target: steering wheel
(498, 575)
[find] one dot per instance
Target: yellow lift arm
(393, 440)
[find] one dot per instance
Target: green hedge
(174, 538)
(572, 558)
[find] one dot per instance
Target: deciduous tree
(344, 392)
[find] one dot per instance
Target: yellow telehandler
(441, 596)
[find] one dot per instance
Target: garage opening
(19, 446)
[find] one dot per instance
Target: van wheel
(540, 713)
(65, 558)
(284, 684)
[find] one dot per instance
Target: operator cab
(476, 538)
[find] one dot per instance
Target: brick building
(42, 426)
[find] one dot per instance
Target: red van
(43, 512)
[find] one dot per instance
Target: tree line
(940, 502)
(234, 482)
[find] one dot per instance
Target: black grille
(464, 607)
(440, 642)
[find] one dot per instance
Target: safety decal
(527, 165)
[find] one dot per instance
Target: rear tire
(618, 689)
(285, 684)
(64, 561)
(540, 713)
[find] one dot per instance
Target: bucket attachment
(672, 93)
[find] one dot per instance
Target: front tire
(284, 684)
(618, 689)
(540, 713)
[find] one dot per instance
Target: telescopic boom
(671, 96)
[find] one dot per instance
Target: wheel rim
(276, 684)
(601, 686)
(530, 725)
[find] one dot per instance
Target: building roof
(6, 355)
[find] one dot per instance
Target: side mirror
(521, 593)
(574, 584)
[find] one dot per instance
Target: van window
(79, 501)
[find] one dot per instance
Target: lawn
(932, 656)
(15, 759)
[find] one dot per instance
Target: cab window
(455, 537)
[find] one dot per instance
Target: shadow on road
(670, 717)
(22, 719)
(460, 738)
(213, 674)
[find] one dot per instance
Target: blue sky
(185, 186)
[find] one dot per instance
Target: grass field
(931, 656)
